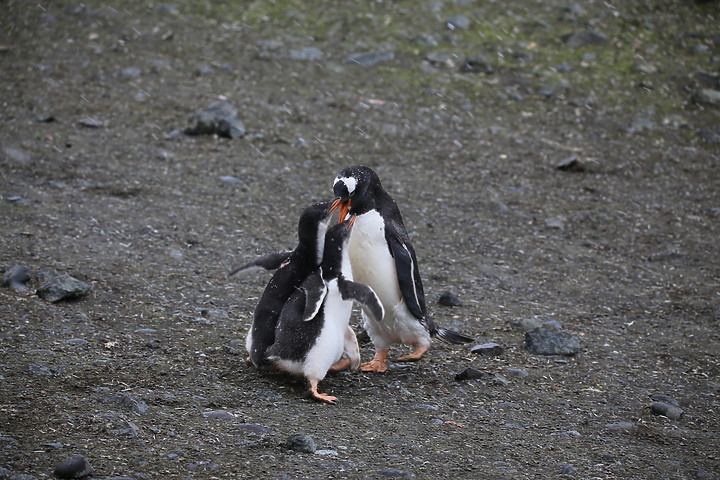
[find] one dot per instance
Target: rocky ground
(557, 167)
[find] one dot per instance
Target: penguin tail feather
(451, 336)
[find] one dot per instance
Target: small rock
(204, 69)
(499, 379)
(306, 54)
(552, 324)
(469, 374)
(332, 453)
(219, 414)
(659, 397)
(641, 124)
(219, 118)
(517, 372)
(707, 96)
(128, 401)
(627, 427)
(45, 118)
(542, 341)
(571, 164)
(301, 443)
(17, 277)
(130, 72)
(230, 179)
(490, 349)
(441, 59)
(583, 38)
(566, 469)
(63, 287)
(145, 330)
(557, 222)
(367, 59)
(251, 427)
(665, 409)
(17, 200)
(76, 466)
(527, 324)
(477, 64)
(77, 342)
(16, 155)
(90, 122)
(709, 136)
(449, 299)
(458, 22)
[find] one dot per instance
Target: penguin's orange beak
(344, 207)
(351, 222)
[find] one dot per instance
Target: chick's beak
(351, 222)
(344, 207)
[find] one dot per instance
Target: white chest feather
(371, 261)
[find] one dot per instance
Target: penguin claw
(323, 397)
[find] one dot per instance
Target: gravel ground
(556, 164)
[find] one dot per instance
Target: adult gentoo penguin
(292, 267)
(383, 258)
(313, 331)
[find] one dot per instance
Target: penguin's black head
(336, 240)
(312, 226)
(355, 189)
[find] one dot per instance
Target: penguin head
(313, 225)
(335, 250)
(355, 189)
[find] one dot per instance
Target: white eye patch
(350, 183)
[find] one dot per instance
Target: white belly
(373, 265)
(371, 261)
(329, 346)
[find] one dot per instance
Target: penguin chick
(291, 269)
(383, 258)
(313, 331)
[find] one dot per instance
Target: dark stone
(667, 410)
(583, 38)
(63, 287)
(219, 119)
(477, 64)
(516, 372)
(367, 59)
(542, 341)
(566, 469)
(626, 427)
(469, 374)
(449, 299)
(301, 443)
(709, 136)
(659, 397)
(490, 349)
(128, 401)
(76, 466)
(17, 277)
(571, 164)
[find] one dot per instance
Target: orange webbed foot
(414, 356)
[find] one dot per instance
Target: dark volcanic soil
(97, 181)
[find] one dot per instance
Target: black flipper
(269, 262)
(451, 336)
(363, 295)
(315, 289)
(406, 271)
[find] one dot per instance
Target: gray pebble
(81, 342)
(251, 427)
(707, 96)
(584, 38)
(516, 372)
(63, 287)
(665, 409)
(17, 277)
(219, 414)
(458, 22)
(367, 59)
(566, 469)
(128, 401)
(220, 119)
(392, 473)
(622, 426)
(542, 341)
(490, 349)
(659, 397)
(301, 443)
(306, 54)
(449, 299)
(469, 374)
(76, 466)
